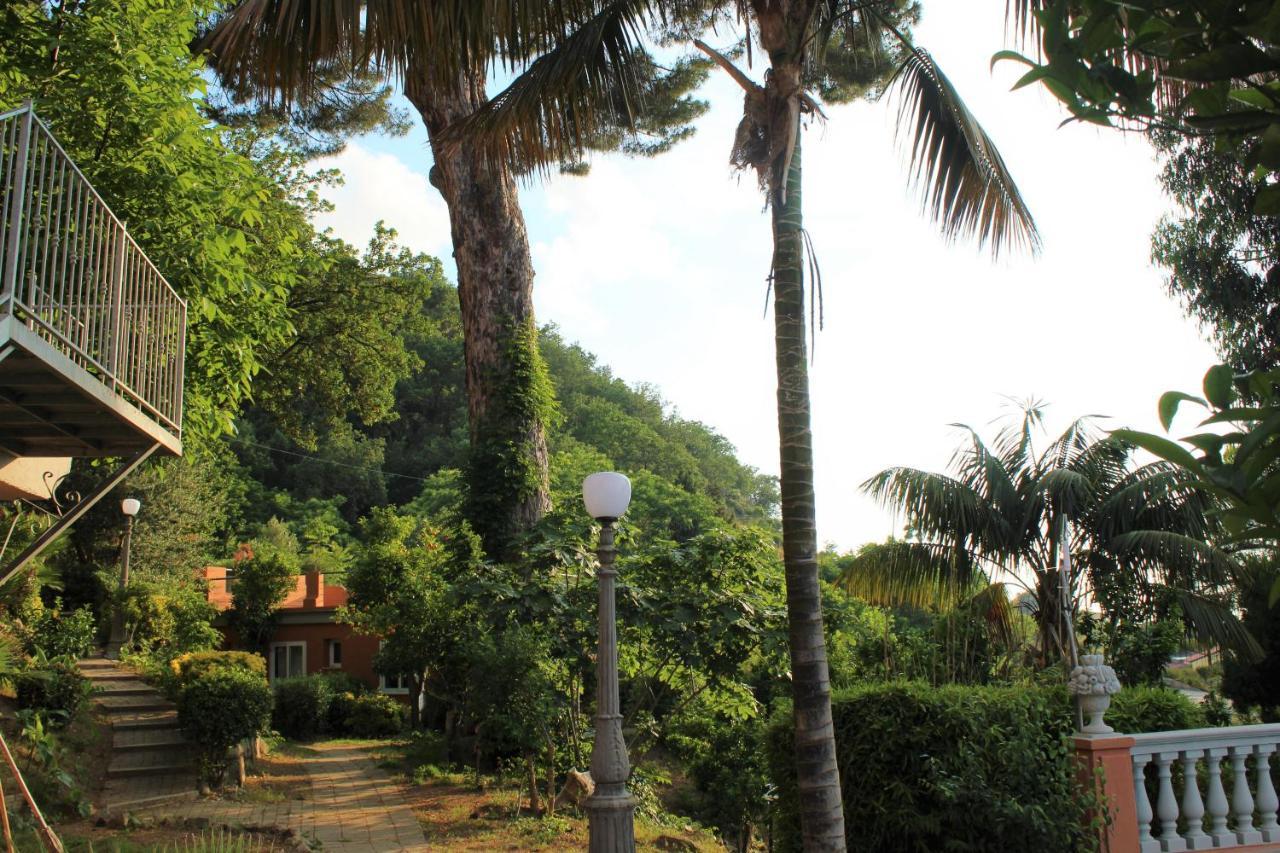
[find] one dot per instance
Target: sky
(658, 267)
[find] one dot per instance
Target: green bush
(302, 706)
(372, 715)
(345, 682)
(1153, 709)
(219, 710)
(197, 664)
(59, 633)
(165, 619)
(53, 685)
(954, 768)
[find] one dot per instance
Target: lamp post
(130, 507)
(611, 808)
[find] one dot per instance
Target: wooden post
(1104, 767)
(50, 838)
(4, 820)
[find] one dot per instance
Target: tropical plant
(1237, 466)
(1200, 69)
(1134, 533)
(443, 54)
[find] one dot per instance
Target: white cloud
(380, 186)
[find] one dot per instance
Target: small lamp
(606, 495)
(130, 506)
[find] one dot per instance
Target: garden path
(352, 806)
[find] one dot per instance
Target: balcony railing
(71, 273)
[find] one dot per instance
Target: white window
(393, 683)
(335, 652)
(288, 660)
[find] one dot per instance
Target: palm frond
(934, 504)
(588, 81)
(925, 575)
(1176, 557)
(273, 47)
(991, 604)
(1214, 622)
(964, 184)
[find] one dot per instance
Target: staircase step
(127, 772)
(127, 704)
(160, 719)
(137, 740)
(125, 688)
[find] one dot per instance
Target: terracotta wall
(357, 650)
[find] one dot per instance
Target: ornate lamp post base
(611, 822)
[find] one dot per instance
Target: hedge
(221, 708)
(950, 768)
(195, 664)
(302, 706)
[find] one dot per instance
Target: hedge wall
(950, 768)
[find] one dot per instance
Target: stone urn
(1093, 683)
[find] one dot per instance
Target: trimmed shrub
(197, 664)
(950, 768)
(53, 685)
(345, 682)
(302, 706)
(373, 715)
(220, 709)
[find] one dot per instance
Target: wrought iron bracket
(72, 515)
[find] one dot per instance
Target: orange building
(308, 638)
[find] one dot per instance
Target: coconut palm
(1004, 510)
(842, 51)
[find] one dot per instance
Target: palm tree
(1004, 511)
(284, 50)
(844, 50)
(582, 73)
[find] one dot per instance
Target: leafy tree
(279, 49)
(1003, 512)
(265, 574)
(353, 317)
(1221, 256)
(1201, 69)
(120, 90)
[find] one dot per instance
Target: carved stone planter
(1093, 683)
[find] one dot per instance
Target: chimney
(315, 590)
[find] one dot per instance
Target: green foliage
(1256, 684)
(53, 685)
(57, 632)
(302, 706)
(372, 715)
(1219, 255)
(504, 469)
(955, 768)
(196, 665)
(1153, 709)
(122, 91)
(726, 761)
(166, 619)
(1137, 533)
(1203, 70)
(220, 709)
(262, 581)
(1139, 651)
(512, 696)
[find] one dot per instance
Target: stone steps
(151, 762)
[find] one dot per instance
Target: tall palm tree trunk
(508, 395)
(821, 808)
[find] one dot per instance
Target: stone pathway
(150, 760)
(353, 807)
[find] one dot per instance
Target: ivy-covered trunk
(818, 777)
(508, 393)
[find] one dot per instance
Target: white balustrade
(1247, 816)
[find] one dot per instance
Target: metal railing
(70, 272)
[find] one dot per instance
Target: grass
(85, 838)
